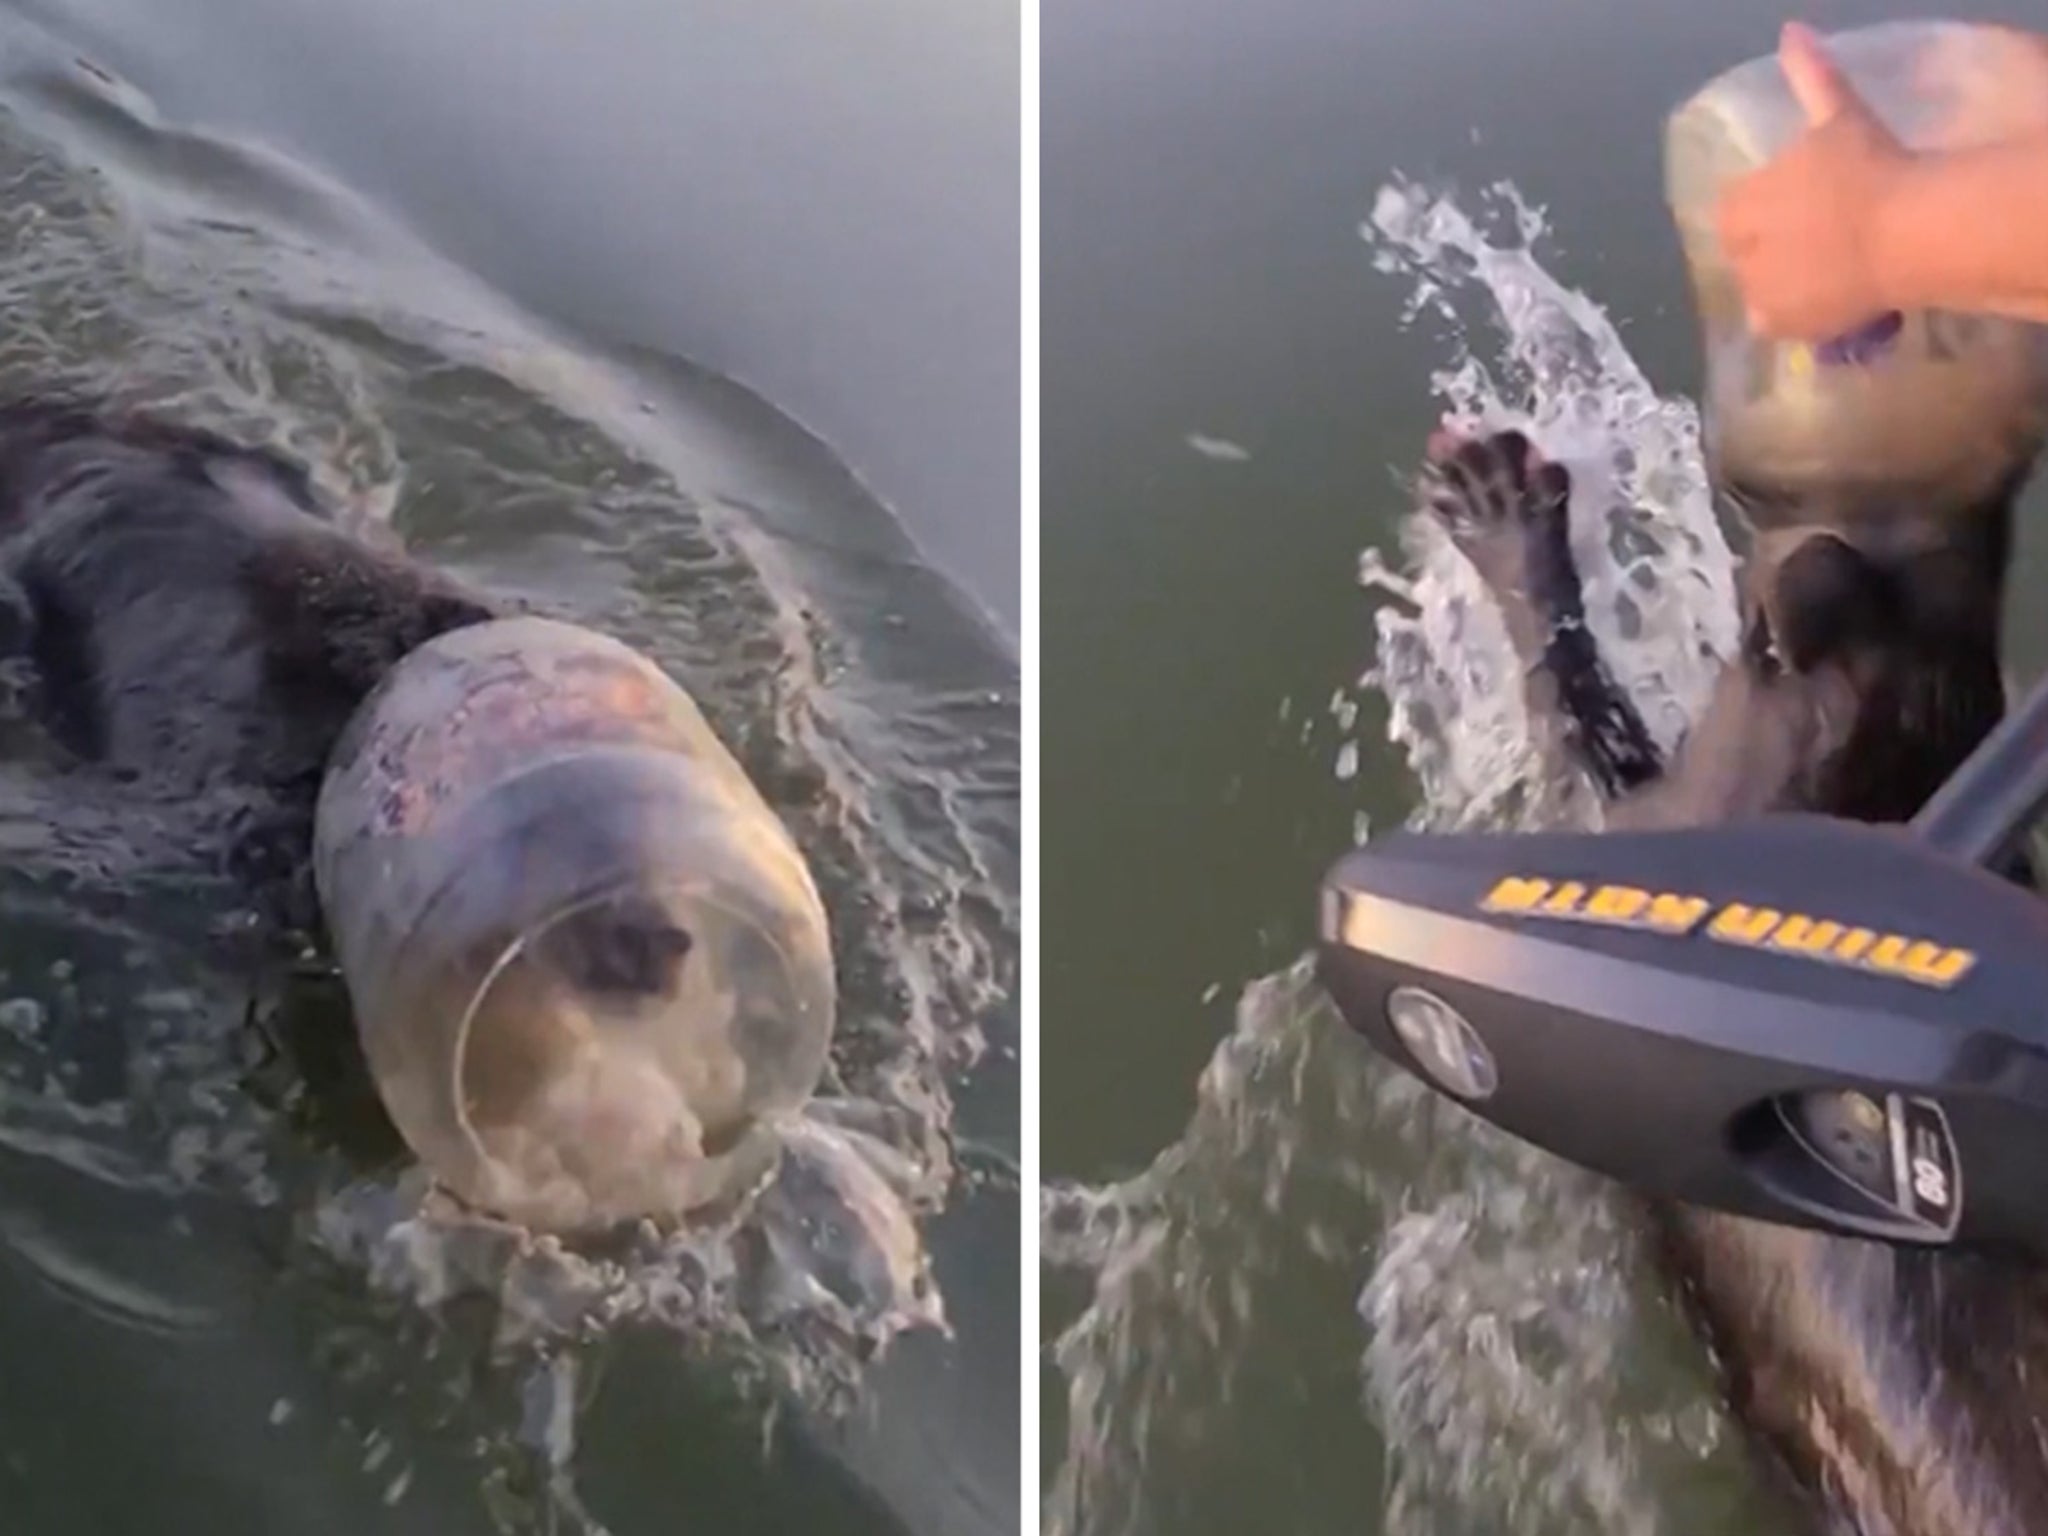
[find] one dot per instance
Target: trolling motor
(1801, 1019)
(1816, 1022)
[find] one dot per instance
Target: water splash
(1188, 1267)
(1659, 578)
(1507, 1307)
(1522, 1368)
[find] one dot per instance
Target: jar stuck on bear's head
(1930, 412)
(589, 966)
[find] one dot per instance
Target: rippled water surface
(224, 1303)
(1285, 1288)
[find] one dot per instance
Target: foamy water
(1519, 1364)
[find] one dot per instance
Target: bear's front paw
(1507, 509)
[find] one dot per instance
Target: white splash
(1522, 1369)
(828, 1252)
(1659, 578)
(1183, 1261)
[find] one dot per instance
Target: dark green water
(464, 272)
(1229, 393)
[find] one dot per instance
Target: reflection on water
(820, 204)
(341, 1352)
(1514, 1354)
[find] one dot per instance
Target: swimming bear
(590, 970)
(1902, 1388)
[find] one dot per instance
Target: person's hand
(1800, 232)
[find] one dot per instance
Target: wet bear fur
(187, 616)
(1905, 1391)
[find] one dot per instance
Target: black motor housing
(1800, 1019)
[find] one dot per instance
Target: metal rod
(1997, 793)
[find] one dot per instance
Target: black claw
(1553, 487)
(1451, 509)
(1455, 475)
(1513, 449)
(1476, 466)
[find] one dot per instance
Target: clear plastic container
(589, 967)
(1930, 409)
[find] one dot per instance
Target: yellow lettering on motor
(1791, 933)
(1515, 894)
(1932, 965)
(1944, 967)
(1676, 914)
(1803, 935)
(1740, 924)
(1617, 904)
